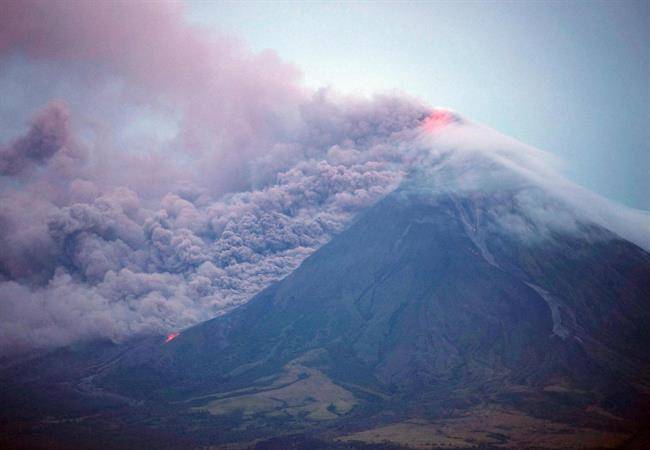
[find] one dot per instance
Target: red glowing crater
(171, 337)
(438, 119)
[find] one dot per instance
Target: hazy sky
(568, 77)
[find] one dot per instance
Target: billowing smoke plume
(108, 235)
(100, 240)
(87, 259)
(47, 135)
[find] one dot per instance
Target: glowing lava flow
(438, 119)
(171, 337)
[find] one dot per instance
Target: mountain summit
(471, 306)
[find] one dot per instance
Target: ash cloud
(47, 135)
(114, 263)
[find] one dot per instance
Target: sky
(162, 162)
(568, 77)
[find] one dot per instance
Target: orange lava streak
(171, 337)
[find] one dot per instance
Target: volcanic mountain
(471, 306)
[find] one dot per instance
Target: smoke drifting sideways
(520, 186)
(107, 236)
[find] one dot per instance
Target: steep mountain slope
(415, 289)
(432, 305)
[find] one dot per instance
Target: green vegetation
(299, 393)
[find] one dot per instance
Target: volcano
(470, 307)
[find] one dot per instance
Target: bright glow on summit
(437, 119)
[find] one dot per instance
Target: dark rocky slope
(424, 307)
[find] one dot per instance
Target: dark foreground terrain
(426, 324)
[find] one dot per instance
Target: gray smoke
(93, 260)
